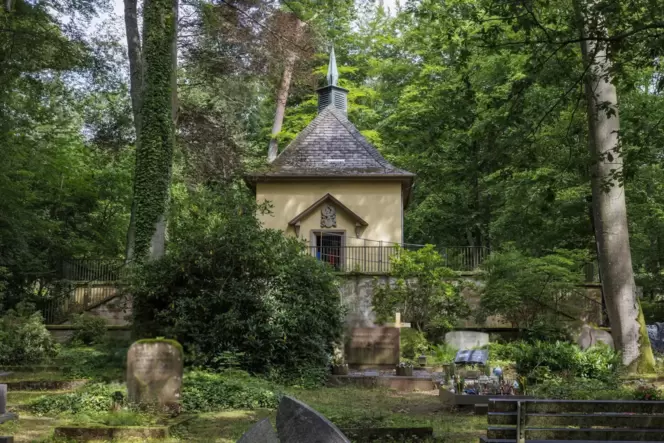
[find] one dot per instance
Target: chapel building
(333, 189)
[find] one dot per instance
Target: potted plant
(405, 369)
(422, 360)
(339, 367)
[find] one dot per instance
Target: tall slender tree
(608, 193)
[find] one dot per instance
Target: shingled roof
(331, 146)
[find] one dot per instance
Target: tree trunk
(608, 201)
(282, 93)
(135, 86)
(155, 148)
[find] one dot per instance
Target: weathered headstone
(297, 423)
(466, 339)
(3, 399)
(261, 432)
(4, 415)
(154, 373)
(373, 346)
(589, 337)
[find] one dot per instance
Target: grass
(346, 407)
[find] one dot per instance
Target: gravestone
(3, 399)
(466, 339)
(4, 415)
(154, 373)
(656, 335)
(589, 337)
(373, 346)
(261, 432)
(297, 423)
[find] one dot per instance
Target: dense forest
(112, 129)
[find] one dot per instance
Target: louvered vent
(332, 96)
(324, 98)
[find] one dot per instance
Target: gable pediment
(327, 198)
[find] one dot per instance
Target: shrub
(580, 389)
(413, 343)
(421, 292)
(205, 391)
(228, 286)
(103, 363)
(647, 393)
(531, 292)
(95, 397)
(547, 360)
(90, 329)
(539, 360)
(24, 338)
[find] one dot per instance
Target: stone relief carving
(328, 217)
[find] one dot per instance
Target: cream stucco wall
(377, 203)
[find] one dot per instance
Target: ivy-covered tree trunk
(135, 90)
(282, 93)
(608, 195)
(156, 139)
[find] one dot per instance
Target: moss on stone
(171, 342)
(645, 364)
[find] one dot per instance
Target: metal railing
(378, 258)
(88, 270)
(85, 283)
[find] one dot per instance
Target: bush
(540, 361)
(413, 343)
(421, 292)
(531, 292)
(24, 339)
(228, 286)
(103, 363)
(90, 330)
(653, 311)
(648, 393)
(205, 391)
(581, 389)
(95, 397)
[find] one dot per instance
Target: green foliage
(421, 291)
(648, 393)
(581, 389)
(443, 353)
(549, 360)
(104, 362)
(653, 311)
(94, 397)
(24, 339)
(154, 154)
(205, 391)
(413, 343)
(226, 285)
(532, 292)
(90, 330)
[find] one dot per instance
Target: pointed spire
(332, 72)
